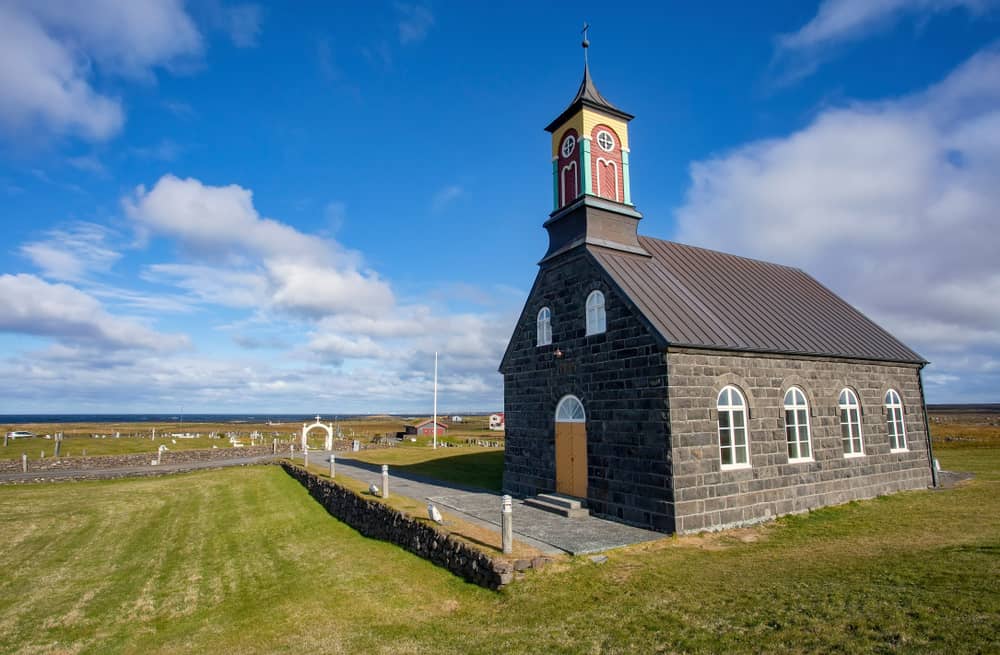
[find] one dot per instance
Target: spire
(587, 95)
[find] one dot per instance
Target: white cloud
(30, 305)
(73, 252)
(218, 220)
(841, 21)
(240, 22)
(51, 48)
(445, 197)
(891, 204)
(270, 262)
(317, 290)
(415, 21)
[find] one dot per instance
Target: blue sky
(223, 207)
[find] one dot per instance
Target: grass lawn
(78, 445)
(243, 561)
(472, 466)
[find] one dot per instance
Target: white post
(507, 525)
(274, 447)
(305, 456)
(385, 480)
(435, 401)
(24, 462)
(333, 464)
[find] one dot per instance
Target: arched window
(570, 410)
(797, 426)
(734, 451)
(596, 321)
(894, 421)
(850, 424)
(544, 325)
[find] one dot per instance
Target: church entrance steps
(559, 504)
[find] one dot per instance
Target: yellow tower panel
(584, 122)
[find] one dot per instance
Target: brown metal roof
(706, 299)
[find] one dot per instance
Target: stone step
(569, 502)
(569, 512)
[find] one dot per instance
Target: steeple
(588, 96)
(591, 185)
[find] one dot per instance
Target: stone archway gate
(327, 427)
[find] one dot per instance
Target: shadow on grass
(482, 469)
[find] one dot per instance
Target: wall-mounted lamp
(558, 353)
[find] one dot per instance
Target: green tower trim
(626, 183)
(585, 173)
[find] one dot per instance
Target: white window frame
(611, 139)
(597, 316)
(846, 407)
(565, 410)
(568, 144)
(543, 327)
(730, 410)
(895, 425)
(794, 429)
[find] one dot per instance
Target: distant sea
(7, 419)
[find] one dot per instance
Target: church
(682, 389)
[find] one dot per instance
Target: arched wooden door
(571, 447)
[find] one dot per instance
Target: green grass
(243, 561)
(472, 466)
(77, 445)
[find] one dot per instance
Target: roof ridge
(724, 253)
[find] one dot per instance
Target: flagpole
(435, 401)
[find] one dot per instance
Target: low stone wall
(132, 460)
(379, 521)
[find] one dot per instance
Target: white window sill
(734, 467)
(853, 455)
(899, 450)
(801, 460)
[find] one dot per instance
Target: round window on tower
(605, 140)
(568, 144)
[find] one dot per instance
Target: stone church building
(682, 389)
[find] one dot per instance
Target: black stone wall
(710, 498)
(620, 376)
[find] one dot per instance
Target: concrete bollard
(292, 450)
(58, 447)
(41, 455)
(385, 480)
(274, 447)
(333, 465)
(5, 438)
(507, 524)
(24, 462)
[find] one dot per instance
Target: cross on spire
(586, 42)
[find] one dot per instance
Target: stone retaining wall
(134, 459)
(379, 521)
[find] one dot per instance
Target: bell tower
(591, 189)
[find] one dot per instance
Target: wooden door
(571, 459)
(579, 460)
